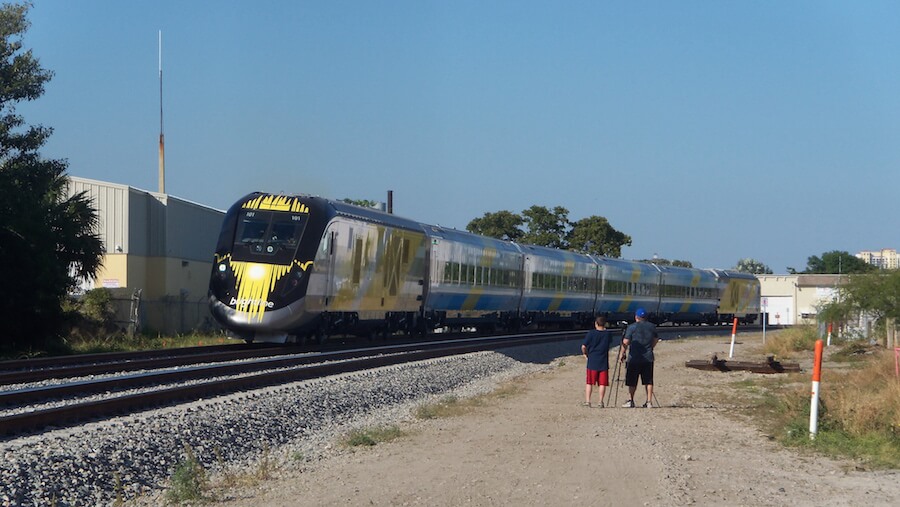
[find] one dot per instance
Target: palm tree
(44, 232)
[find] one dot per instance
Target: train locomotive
(298, 268)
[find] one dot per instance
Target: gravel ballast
(135, 455)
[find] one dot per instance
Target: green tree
(545, 227)
(594, 235)
(659, 261)
(836, 262)
(752, 266)
(876, 294)
(504, 225)
(47, 238)
(365, 203)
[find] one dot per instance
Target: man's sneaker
(647, 405)
(601, 405)
(628, 404)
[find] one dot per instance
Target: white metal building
(157, 244)
(795, 299)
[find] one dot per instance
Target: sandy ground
(540, 447)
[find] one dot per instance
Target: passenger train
(300, 267)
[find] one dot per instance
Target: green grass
(119, 343)
(141, 342)
(229, 479)
(859, 410)
(788, 342)
(372, 436)
(188, 481)
(856, 352)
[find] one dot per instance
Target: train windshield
(268, 236)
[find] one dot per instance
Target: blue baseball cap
(640, 313)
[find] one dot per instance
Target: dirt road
(540, 447)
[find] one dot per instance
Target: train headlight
(256, 272)
(222, 268)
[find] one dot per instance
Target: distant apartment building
(886, 258)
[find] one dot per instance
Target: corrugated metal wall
(168, 244)
(110, 201)
(191, 230)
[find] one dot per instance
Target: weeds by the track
(787, 343)
(372, 436)
(859, 409)
(119, 343)
(451, 406)
(146, 342)
(189, 481)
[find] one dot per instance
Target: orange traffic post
(897, 361)
(733, 334)
(829, 334)
(814, 402)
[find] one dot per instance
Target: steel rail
(40, 369)
(20, 365)
(158, 359)
(34, 395)
(97, 410)
(37, 375)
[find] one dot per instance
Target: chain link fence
(167, 315)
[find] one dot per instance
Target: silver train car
(302, 267)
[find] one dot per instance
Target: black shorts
(644, 370)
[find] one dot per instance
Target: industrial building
(796, 299)
(158, 255)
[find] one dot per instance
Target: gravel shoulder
(540, 447)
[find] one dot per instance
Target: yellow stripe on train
(471, 300)
(277, 203)
(255, 282)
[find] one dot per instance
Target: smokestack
(390, 202)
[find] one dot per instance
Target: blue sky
(708, 131)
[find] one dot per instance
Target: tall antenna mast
(162, 138)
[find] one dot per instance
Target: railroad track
(228, 378)
(43, 368)
(83, 365)
(259, 367)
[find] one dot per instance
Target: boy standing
(596, 350)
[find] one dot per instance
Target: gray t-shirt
(640, 336)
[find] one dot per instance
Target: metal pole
(615, 371)
(814, 402)
(733, 334)
(162, 138)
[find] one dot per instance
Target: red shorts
(597, 378)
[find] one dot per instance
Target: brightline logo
(247, 302)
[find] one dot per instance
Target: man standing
(639, 341)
